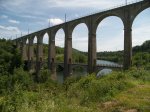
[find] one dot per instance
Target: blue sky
(17, 16)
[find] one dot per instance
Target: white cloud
(80, 43)
(56, 8)
(46, 39)
(84, 3)
(3, 16)
(55, 21)
(59, 43)
(76, 15)
(60, 38)
(9, 31)
(29, 7)
(29, 16)
(140, 34)
(15, 3)
(13, 21)
(9, 28)
(114, 43)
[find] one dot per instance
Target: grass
(118, 92)
(136, 98)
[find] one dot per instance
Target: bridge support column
(91, 47)
(18, 44)
(68, 52)
(30, 54)
(24, 50)
(39, 48)
(39, 56)
(127, 42)
(52, 55)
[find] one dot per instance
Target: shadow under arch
(79, 70)
(34, 47)
(110, 38)
(59, 68)
(60, 73)
(27, 47)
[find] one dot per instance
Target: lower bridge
(60, 66)
(98, 66)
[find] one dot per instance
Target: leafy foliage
(87, 94)
(9, 57)
(118, 91)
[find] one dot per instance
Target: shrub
(91, 89)
(140, 74)
(4, 83)
(44, 75)
(21, 77)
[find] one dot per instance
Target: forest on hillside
(77, 56)
(141, 55)
(141, 51)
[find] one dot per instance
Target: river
(83, 72)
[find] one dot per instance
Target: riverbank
(116, 92)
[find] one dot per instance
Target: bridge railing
(110, 65)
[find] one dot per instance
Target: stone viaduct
(126, 13)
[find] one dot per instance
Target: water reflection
(81, 71)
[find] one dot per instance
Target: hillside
(78, 56)
(81, 57)
(119, 91)
(116, 92)
(115, 56)
(145, 47)
(140, 53)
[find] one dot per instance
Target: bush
(140, 74)
(91, 89)
(4, 83)
(44, 75)
(21, 77)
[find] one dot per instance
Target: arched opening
(34, 48)
(79, 70)
(60, 70)
(80, 46)
(25, 53)
(80, 43)
(45, 47)
(59, 43)
(27, 46)
(141, 39)
(110, 41)
(59, 48)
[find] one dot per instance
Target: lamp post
(65, 18)
(49, 23)
(28, 29)
(126, 2)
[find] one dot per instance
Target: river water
(60, 77)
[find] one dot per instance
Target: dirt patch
(131, 110)
(109, 104)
